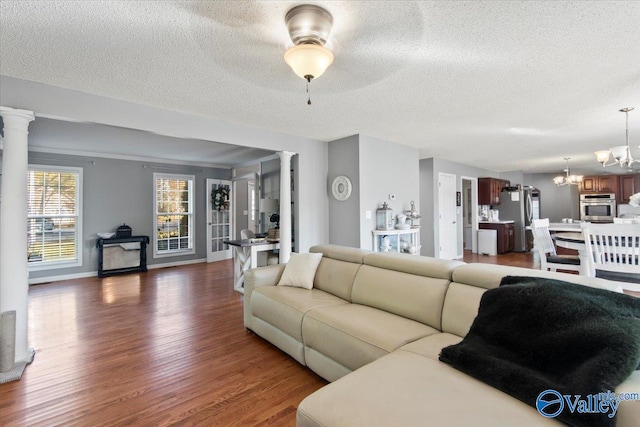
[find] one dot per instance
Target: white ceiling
(504, 86)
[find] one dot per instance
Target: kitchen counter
(564, 226)
(505, 234)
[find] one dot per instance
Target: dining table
(246, 257)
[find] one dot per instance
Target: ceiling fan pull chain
(308, 92)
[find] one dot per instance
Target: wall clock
(341, 188)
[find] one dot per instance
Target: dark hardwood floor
(167, 347)
(516, 259)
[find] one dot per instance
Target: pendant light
(567, 179)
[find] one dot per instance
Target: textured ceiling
(499, 85)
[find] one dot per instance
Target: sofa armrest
(257, 278)
(629, 411)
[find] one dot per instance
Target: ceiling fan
(249, 40)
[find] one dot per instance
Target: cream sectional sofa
(374, 325)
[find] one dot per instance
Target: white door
(448, 234)
(219, 220)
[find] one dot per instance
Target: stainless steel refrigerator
(520, 204)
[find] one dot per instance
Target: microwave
(598, 207)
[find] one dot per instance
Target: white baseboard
(176, 263)
(48, 279)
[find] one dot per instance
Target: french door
(219, 219)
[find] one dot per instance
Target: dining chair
(264, 257)
(614, 250)
(549, 259)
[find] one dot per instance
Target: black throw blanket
(540, 334)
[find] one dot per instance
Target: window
(173, 214)
(54, 213)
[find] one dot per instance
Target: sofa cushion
(415, 297)
(300, 270)
(432, 345)
(284, 307)
(460, 308)
(420, 266)
(406, 389)
(336, 277)
(341, 253)
(354, 334)
(489, 276)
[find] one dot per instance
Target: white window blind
(54, 230)
(173, 214)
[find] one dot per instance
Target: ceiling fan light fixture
(309, 27)
(309, 23)
(309, 61)
(622, 153)
(602, 156)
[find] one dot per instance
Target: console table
(404, 241)
(246, 257)
(122, 255)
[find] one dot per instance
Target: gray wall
(121, 191)
(514, 177)
(555, 202)
(376, 169)
(242, 197)
(386, 168)
(311, 207)
(242, 206)
(344, 217)
(270, 189)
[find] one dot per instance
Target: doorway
(469, 221)
(219, 221)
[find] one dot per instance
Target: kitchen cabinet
(506, 235)
(628, 185)
(599, 184)
(489, 190)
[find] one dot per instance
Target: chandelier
(621, 154)
(309, 27)
(568, 179)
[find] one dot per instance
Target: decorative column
(14, 277)
(285, 205)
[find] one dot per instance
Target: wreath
(220, 197)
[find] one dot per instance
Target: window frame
(78, 262)
(192, 204)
